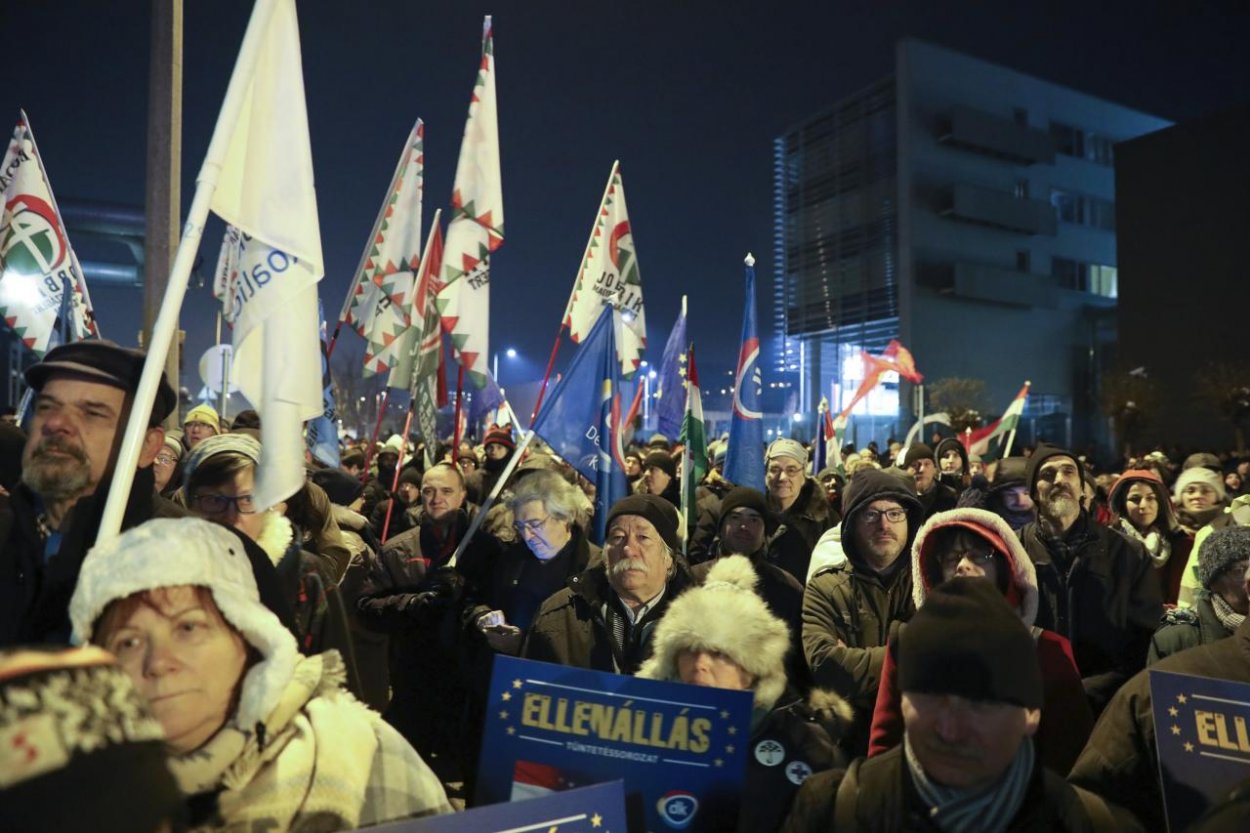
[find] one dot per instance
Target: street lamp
(510, 353)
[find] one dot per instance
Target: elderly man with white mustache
(604, 618)
(1097, 587)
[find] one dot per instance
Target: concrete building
(966, 210)
(1181, 218)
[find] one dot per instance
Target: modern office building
(966, 210)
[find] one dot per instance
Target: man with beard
(83, 396)
(498, 447)
(849, 606)
(1097, 587)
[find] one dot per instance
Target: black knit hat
(92, 756)
(661, 460)
(339, 486)
(1223, 548)
(1040, 455)
(104, 363)
(917, 451)
(412, 475)
(966, 640)
(744, 497)
(662, 515)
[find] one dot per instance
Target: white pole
(176, 289)
(494, 493)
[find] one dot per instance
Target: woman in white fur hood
(722, 634)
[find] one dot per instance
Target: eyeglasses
(978, 557)
(788, 471)
(533, 525)
(218, 504)
(873, 516)
(166, 459)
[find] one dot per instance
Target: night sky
(688, 95)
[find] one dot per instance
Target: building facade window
(1082, 209)
(1082, 144)
(1094, 278)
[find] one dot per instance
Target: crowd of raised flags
(405, 298)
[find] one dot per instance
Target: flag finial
(749, 260)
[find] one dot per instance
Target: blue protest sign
(551, 727)
(596, 809)
(1203, 741)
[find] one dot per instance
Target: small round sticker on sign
(678, 808)
(769, 752)
(798, 772)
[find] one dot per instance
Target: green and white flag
(609, 275)
(693, 438)
(37, 262)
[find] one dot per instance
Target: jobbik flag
(269, 292)
(322, 432)
(1202, 734)
(670, 388)
(380, 302)
(978, 440)
(744, 459)
(693, 438)
(681, 748)
(37, 263)
(581, 419)
(476, 227)
(608, 276)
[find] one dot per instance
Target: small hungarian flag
(978, 441)
(693, 438)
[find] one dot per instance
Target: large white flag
(37, 262)
(476, 226)
(265, 191)
(609, 275)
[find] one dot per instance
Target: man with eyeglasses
(1097, 587)
(797, 500)
(83, 396)
(849, 606)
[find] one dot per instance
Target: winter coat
(1170, 546)
(810, 515)
(34, 591)
(885, 800)
(941, 498)
(1186, 628)
(849, 608)
(371, 646)
(570, 628)
(1066, 720)
(707, 498)
(1120, 762)
(1102, 594)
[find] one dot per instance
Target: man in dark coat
(972, 696)
(1220, 606)
(849, 606)
(84, 393)
(604, 618)
(1120, 762)
(498, 448)
(934, 495)
(1097, 587)
(797, 499)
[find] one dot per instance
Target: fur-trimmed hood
(726, 615)
(1022, 592)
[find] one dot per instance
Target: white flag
(265, 190)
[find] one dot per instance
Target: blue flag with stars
(1202, 734)
(670, 392)
(581, 419)
(744, 459)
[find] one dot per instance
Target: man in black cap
(972, 697)
(1097, 587)
(604, 618)
(934, 495)
(84, 392)
(848, 607)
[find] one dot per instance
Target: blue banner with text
(596, 809)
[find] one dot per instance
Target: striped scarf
(988, 810)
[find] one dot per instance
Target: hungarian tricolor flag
(693, 438)
(978, 441)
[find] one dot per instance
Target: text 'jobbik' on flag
(608, 276)
(476, 227)
(581, 419)
(378, 305)
(37, 262)
(670, 389)
(265, 192)
(744, 459)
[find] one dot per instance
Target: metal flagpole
(176, 289)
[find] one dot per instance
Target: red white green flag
(378, 307)
(609, 275)
(37, 262)
(978, 441)
(476, 227)
(693, 438)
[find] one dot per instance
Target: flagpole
(455, 442)
(176, 288)
(1011, 438)
(403, 449)
(377, 429)
(551, 363)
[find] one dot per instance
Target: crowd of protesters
(939, 642)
